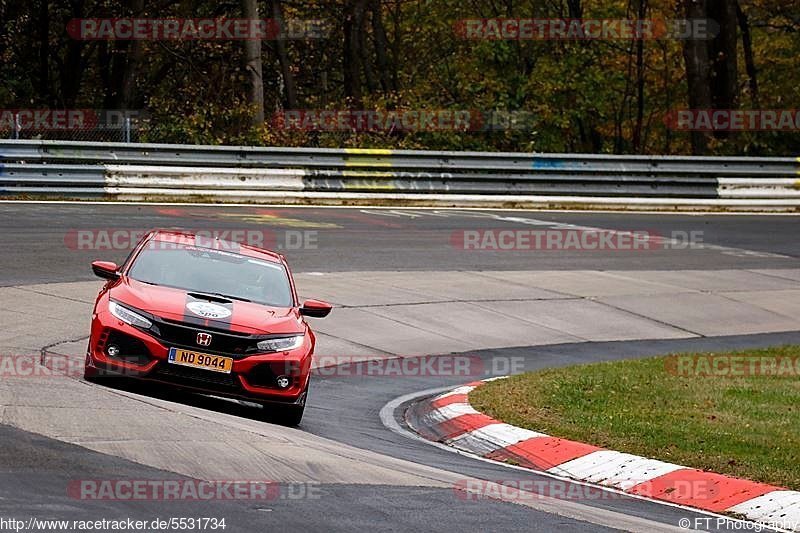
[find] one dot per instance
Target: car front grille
(194, 377)
(174, 334)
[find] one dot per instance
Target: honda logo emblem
(203, 339)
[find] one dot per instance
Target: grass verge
(734, 413)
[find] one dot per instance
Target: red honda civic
(208, 315)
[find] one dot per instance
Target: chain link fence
(74, 125)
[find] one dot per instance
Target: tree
(289, 90)
(711, 64)
(253, 66)
(695, 55)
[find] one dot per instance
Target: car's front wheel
(286, 415)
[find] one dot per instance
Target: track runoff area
(425, 300)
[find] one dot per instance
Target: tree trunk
(637, 129)
(366, 62)
(722, 53)
(105, 71)
(574, 9)
(44, 53)
(133, 58)
(749, 62)
(695, 55)
(289, 86)
(253, 67)
(72, 73)
(353, 27)
(381, 47)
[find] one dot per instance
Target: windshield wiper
(241, 299)
(217, 296)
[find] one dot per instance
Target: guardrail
(341, 176)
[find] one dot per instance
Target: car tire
(286, 415)
(290, 415)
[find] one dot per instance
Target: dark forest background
(580, 96)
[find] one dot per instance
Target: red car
(208, 315)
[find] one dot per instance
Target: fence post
(17, 126)
(127, 129)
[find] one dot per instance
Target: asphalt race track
(387, 240)
(403, 286)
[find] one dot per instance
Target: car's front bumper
(145, 357)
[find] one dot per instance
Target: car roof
(204, 239)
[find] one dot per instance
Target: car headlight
(281, 344)
(128, 316)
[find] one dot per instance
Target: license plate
(215, 363)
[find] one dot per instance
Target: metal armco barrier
(125, 171)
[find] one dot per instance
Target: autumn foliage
(601, 95)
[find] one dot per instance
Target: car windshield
(212, 271)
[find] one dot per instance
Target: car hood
(180, 305)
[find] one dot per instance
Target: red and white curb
(450, 419)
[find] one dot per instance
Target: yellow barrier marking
(368, 151)
(797, 183)
(365, 174)
(367, 162)
(368, 157)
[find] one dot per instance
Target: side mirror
(105, 270)
(316, 309)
